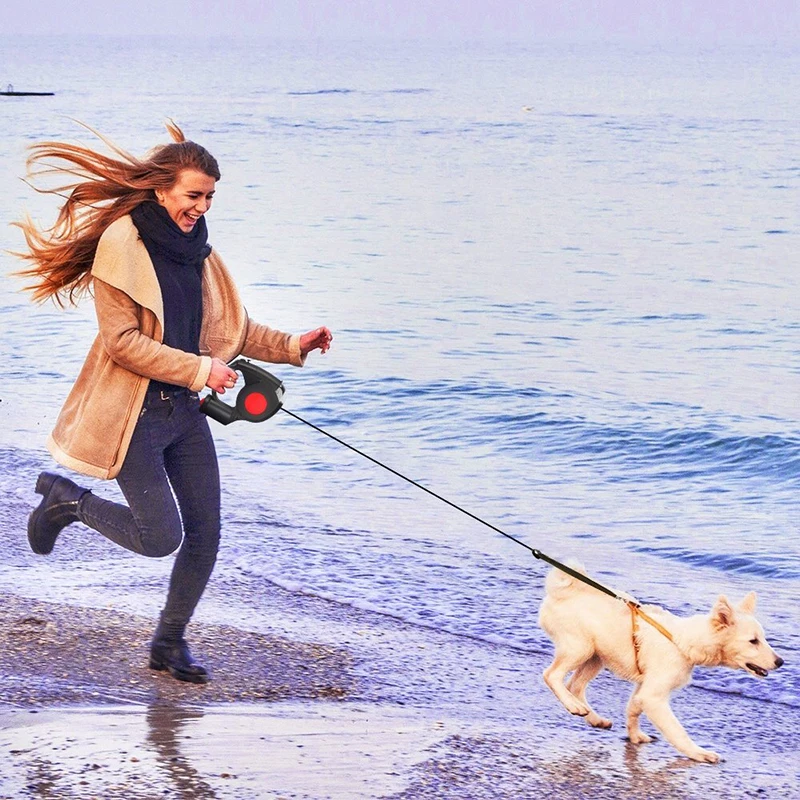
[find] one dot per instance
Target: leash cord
(536, 553)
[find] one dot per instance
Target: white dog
(592, 630)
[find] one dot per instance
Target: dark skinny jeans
(171, 446)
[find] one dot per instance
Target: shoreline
(58, 654)
(394, 712)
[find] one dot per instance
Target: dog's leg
(577, 686)
(655, 703)
(634, 711)
(556, 674)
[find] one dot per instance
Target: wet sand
(370, 708)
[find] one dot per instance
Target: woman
(169, 319)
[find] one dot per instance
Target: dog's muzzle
(760, 671)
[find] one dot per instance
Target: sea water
(563, 287)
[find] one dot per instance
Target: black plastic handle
(260, 398)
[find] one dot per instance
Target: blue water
(564, 293)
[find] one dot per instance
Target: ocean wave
(764, 565)
(525, 420)
(342, 91)
(658, 453)
(312, 92)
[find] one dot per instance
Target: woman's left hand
(319, 339)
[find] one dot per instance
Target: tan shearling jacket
(96, 423)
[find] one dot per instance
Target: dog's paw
(639, 737)
(596, 721)
(577, 708)
(704, 756)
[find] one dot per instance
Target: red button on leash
(255, 404)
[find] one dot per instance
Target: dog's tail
(559, 584)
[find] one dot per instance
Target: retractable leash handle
(259, 399)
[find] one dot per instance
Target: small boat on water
(9, 92)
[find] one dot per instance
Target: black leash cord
(536, 553)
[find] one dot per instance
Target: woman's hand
(221, 377)
(319, 339)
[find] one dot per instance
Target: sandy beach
(392, 711)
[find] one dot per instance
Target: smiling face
(188, 199)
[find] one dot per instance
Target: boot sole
(32, 541)
(186, 677)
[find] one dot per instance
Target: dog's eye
(754, 641)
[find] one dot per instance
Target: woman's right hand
(221, 377)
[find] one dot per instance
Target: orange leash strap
(637, 612)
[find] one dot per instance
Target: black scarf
(163, 238)
(178, 261)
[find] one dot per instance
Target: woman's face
(188, 199)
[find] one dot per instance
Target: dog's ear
(748, 605)
(722, 614)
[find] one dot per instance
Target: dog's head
(741, 637)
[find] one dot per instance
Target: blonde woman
(133, 231)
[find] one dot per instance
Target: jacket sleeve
(267, 344)
(119, 319)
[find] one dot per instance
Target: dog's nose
(778, 662)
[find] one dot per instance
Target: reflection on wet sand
(165, 726)
(349, 752)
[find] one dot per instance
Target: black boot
(59, 508)
(169, 651)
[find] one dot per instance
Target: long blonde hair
(106, 189)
